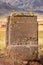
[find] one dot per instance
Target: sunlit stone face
(23, 31)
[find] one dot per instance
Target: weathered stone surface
(23, 35)
(23, 30)
(21, 54)
(34, 63)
